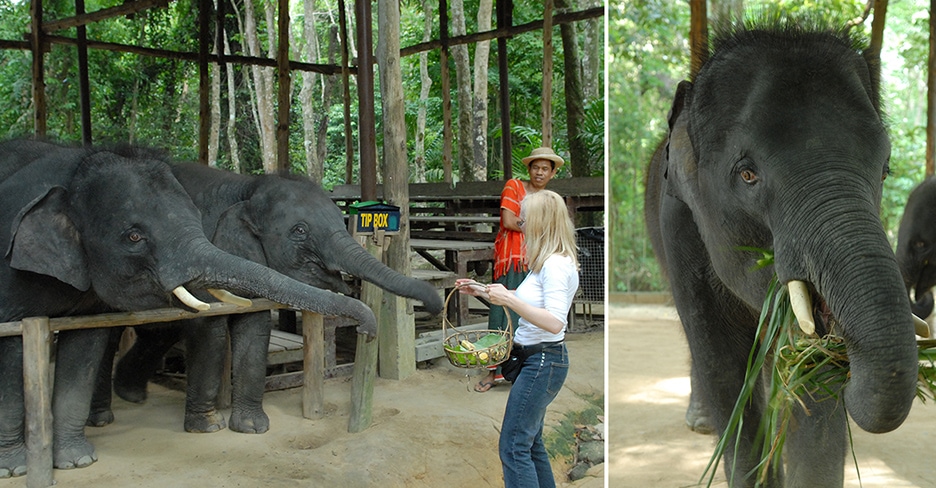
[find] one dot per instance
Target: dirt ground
(648, 392)
(429, 430)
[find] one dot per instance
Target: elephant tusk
(187, 298)
(801, 303)
(920, 327)
(228, 297)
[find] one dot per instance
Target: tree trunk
(931, 95)
(232, 112)
(214, 132)
(314, 168)
(547, 73)
(331, 94)
(463, 89)
(263, 88)
(479, 112)
(574, 98)
(425, 84)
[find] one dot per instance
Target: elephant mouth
(811, 310)
(815, 317)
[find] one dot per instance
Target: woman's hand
(499, 294)
(471, 287)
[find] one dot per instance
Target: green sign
(374, 216)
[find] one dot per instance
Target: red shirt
(509, 252)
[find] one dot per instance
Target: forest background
(154, 101)
(649, 54)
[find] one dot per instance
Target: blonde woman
(542, 301)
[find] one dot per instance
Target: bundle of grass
(801, 365)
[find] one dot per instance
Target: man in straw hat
(509, 266)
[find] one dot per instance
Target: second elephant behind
(286, 223)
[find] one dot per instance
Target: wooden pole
(346, 87)
(367, 127)
(84, 87)
(547, 73)
(447, 136)
(931, 95)
(313, 365)
(698, 36)
(204, 80)
(283, 82)
(365, 355)
(37, 46)
(37, 383)
(504, 21)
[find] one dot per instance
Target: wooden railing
(37, 333)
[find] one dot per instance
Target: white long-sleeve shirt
(552, 288)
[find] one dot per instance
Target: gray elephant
(916, 246)
(286, 223)
(778, 143)
(87, 231)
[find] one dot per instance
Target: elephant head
(916, 246)
(789, 153)
(290, 225)
(123, 230)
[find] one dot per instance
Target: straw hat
(544, 153)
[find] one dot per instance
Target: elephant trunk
(218, 269)
(854, 272)
(352, 258)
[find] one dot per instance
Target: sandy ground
(429, 430)
(648, 392)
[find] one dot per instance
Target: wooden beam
(698, 36)
(127, 8)
(204, 80)
(931, 95)
(546, 100)
(367, 126)
(84, 83)
(37, 386)
(501, 31)
(37, 45)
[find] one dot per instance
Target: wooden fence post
(37, 382)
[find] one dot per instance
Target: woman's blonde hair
(547, 229)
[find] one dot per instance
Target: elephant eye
(300, 230)
(748, 176)
(134, 236)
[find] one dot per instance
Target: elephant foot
(131, 393)
(13, 461)
(100, 418)
(698, 419)
(78, 453)
(204, 422)
(250, 422)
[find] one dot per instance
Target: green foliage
(649, 53)
(561, 440)
(154, 101)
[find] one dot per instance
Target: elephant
(91, 230)
(916, 246)
(778, 144)
(285, 222)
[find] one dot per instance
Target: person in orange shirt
(510, 267)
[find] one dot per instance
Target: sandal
(484, 386)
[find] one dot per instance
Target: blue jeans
(522, 452)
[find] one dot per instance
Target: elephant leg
(12, 409)
(698, 418)
(816, 444)
(250, 340)
(101, 413)
(139, 364)
(78, 359)
(205, 348)
(720, 330)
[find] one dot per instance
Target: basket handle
(445, 320)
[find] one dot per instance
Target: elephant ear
(237, 234)
(681, 165)
(45, 241)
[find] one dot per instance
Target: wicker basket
(477, 358)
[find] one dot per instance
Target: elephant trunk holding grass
(778, 144)
(86, 231)
(916, 246)
(286, 223)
